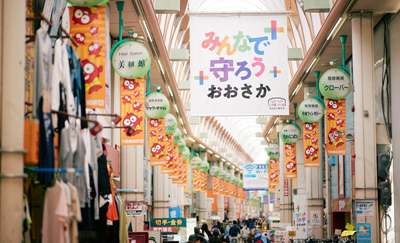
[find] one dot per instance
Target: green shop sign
(214, 170)
(156, 105)
(170, 124)
(131, 60)
(204, 166)
(168, 222)
(335, 83)
(290, 133)
(178, 136)
(273, 151)
(87, 3)
(182, 146)
(185, 153)
(222, 174)
(196, 163)
(311, 110)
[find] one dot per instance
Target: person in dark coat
(215, 237)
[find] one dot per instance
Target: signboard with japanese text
(273, 172)
(156, 105)
(273, 151)
(335, 84)
(255, 177)
(239, 65)
(365, 208)
(311, 144)
(88, 28)
(311, 110)
(290, 161)
(290, 133)
(168, 222)
(286, 187)
(132, 110)
(301, 215)
(156, 128)
(203, 184)
(134, 208)
(315, 218)
(336, 127)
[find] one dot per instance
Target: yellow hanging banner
(196, 180)
(336, 127)
(168, 167)
(203, 176)
(215, 185)
(311, 144)
(173, 174)
(158, 151)
(290, 161)
(183, 174)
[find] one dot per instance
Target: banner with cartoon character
(273, 172)
(196, 180)
(175, 176)
(183, 174)
(215, 185)
(336, 127)
(311, 144)
(221, 187)
(168, 167)
(203, 185)
(156, 128)
(132, 110)
(172, 174)
(290, 161)
(271, 188)
(88, 28)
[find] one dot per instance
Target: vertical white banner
(239, 65)
(301, 215)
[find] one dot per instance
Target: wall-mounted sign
(365, 208)
(255, 177)
(311, 110)
(170, 124)
(87, 3)
(290, 133)
(185, 153)
(335, 83)
(196, 163)
(177, 136)
(134, 208)
(214, 170)
(131, 60)
(273, 151)
(182, 145)
(156, 105)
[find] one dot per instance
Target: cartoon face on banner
(214, 170)
(336, 127)
(290, 161)
(131, 114)
(157, 142)
(131, 60)
(311, 110)
(91, 51)
(311, 144)
(273, 151)
(273, 172)
(215, 185)
(171, 124)
(290, 134)
(334, 84)
(156, 105)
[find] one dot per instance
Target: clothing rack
(42, 17)
(54, 170)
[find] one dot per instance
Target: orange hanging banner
(203, 176)
(215, 185)
(168, 167)
(336, 127)
(175, 163)
(196, 180)
(311, 144)
(273, 172)
(132, 112)
(156, 142)
(183, 174)
(221, 187)
(88, 28)
(177, 178)
(290, 161)
(271, 188)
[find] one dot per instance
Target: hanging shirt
(76, 214)
(55, 215)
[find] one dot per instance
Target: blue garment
(234, 231)
(251, 225)
(227, 231)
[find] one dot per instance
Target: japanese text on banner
(290, 161)
(311, 144)
(88, 30)
(336, 127)
(233, 71)
(156, 129)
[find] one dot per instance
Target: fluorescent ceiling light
(223, 160)
(176, 108)
(270, 130)
(217, 156)
(228, 163)
(181, 120)
(276, 120)
(191, 139)
(334, 28)
(201, 146)
(162, 69)
(211, 152)
(170, 91)
(237, 169)
(297, 89)
(184, 129)
(147, 31)
(308, 69)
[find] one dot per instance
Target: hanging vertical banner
(301, 215)
(203, 176)
(156, 128)
(169, 147)
(196, 180)
(215, 185)
(183, 174)
(132, 110)
(227, 188)
(336, 127)
(273, 174)
(175, 163)
(290, 161)
(221, 187)
(177, 178)
(311, 144)
(88, 27)
(271, 188)
(232, 69)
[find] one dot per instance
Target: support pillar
(364, 117)
(12, 93)
(132, 162)
(286, 205)
(220, 207)
(203, 205)
(161, 193)
(314, 186)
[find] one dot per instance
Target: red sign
(286, 187)
(164, 229)
(138, 237)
